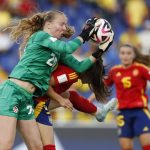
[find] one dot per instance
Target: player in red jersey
(130, 78)
(62, 78)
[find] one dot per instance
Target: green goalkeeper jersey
(41, 57)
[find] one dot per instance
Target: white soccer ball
(101, 32)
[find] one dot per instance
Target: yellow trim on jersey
(146, 112)
(38, 108)
(142, 65)
(117, 66)
(73, 75)
(73, 78)
(143, 98)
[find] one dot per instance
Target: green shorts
(15, 101)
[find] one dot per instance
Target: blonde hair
(69, 32)
(24, 28)
(139, 57)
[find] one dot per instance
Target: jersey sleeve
(64, 75)
(59, 75)
(109, 79)
(59, 78)
(145, 72)
(44, 39)
(72, 62)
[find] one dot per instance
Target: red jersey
(130, 84)
(64, 77)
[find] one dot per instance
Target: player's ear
(47, 25)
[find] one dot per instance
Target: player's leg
(142, 126)
(30, 133)
(47, 136)
(126, 143)
(8, 115)
(82, 104)
(7, 132)
(27, 124)
(145, 141)
(43, 119)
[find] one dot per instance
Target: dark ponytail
(94, 78)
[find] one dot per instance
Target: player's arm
(145, 72)
(44, 39)
(92, 97)
(58, 98)
(78, 66)
(81, 66)
(108, 80)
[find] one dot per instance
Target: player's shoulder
(140, 65)
(116, 67)
(40, 35)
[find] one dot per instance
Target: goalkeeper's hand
(103, 47)
(89, 25)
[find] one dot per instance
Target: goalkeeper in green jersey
(41, 34)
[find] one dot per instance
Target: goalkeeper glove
(103, 47)
(89, 25)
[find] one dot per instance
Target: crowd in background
(130, 20)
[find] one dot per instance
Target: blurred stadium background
(130, 20)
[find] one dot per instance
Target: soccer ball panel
(101, 31)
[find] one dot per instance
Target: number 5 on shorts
(120, 120)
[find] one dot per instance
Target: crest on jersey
(15, 109)
(118, 74)
(135, 72)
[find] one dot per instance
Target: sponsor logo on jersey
(135, 72)
(15, 109)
